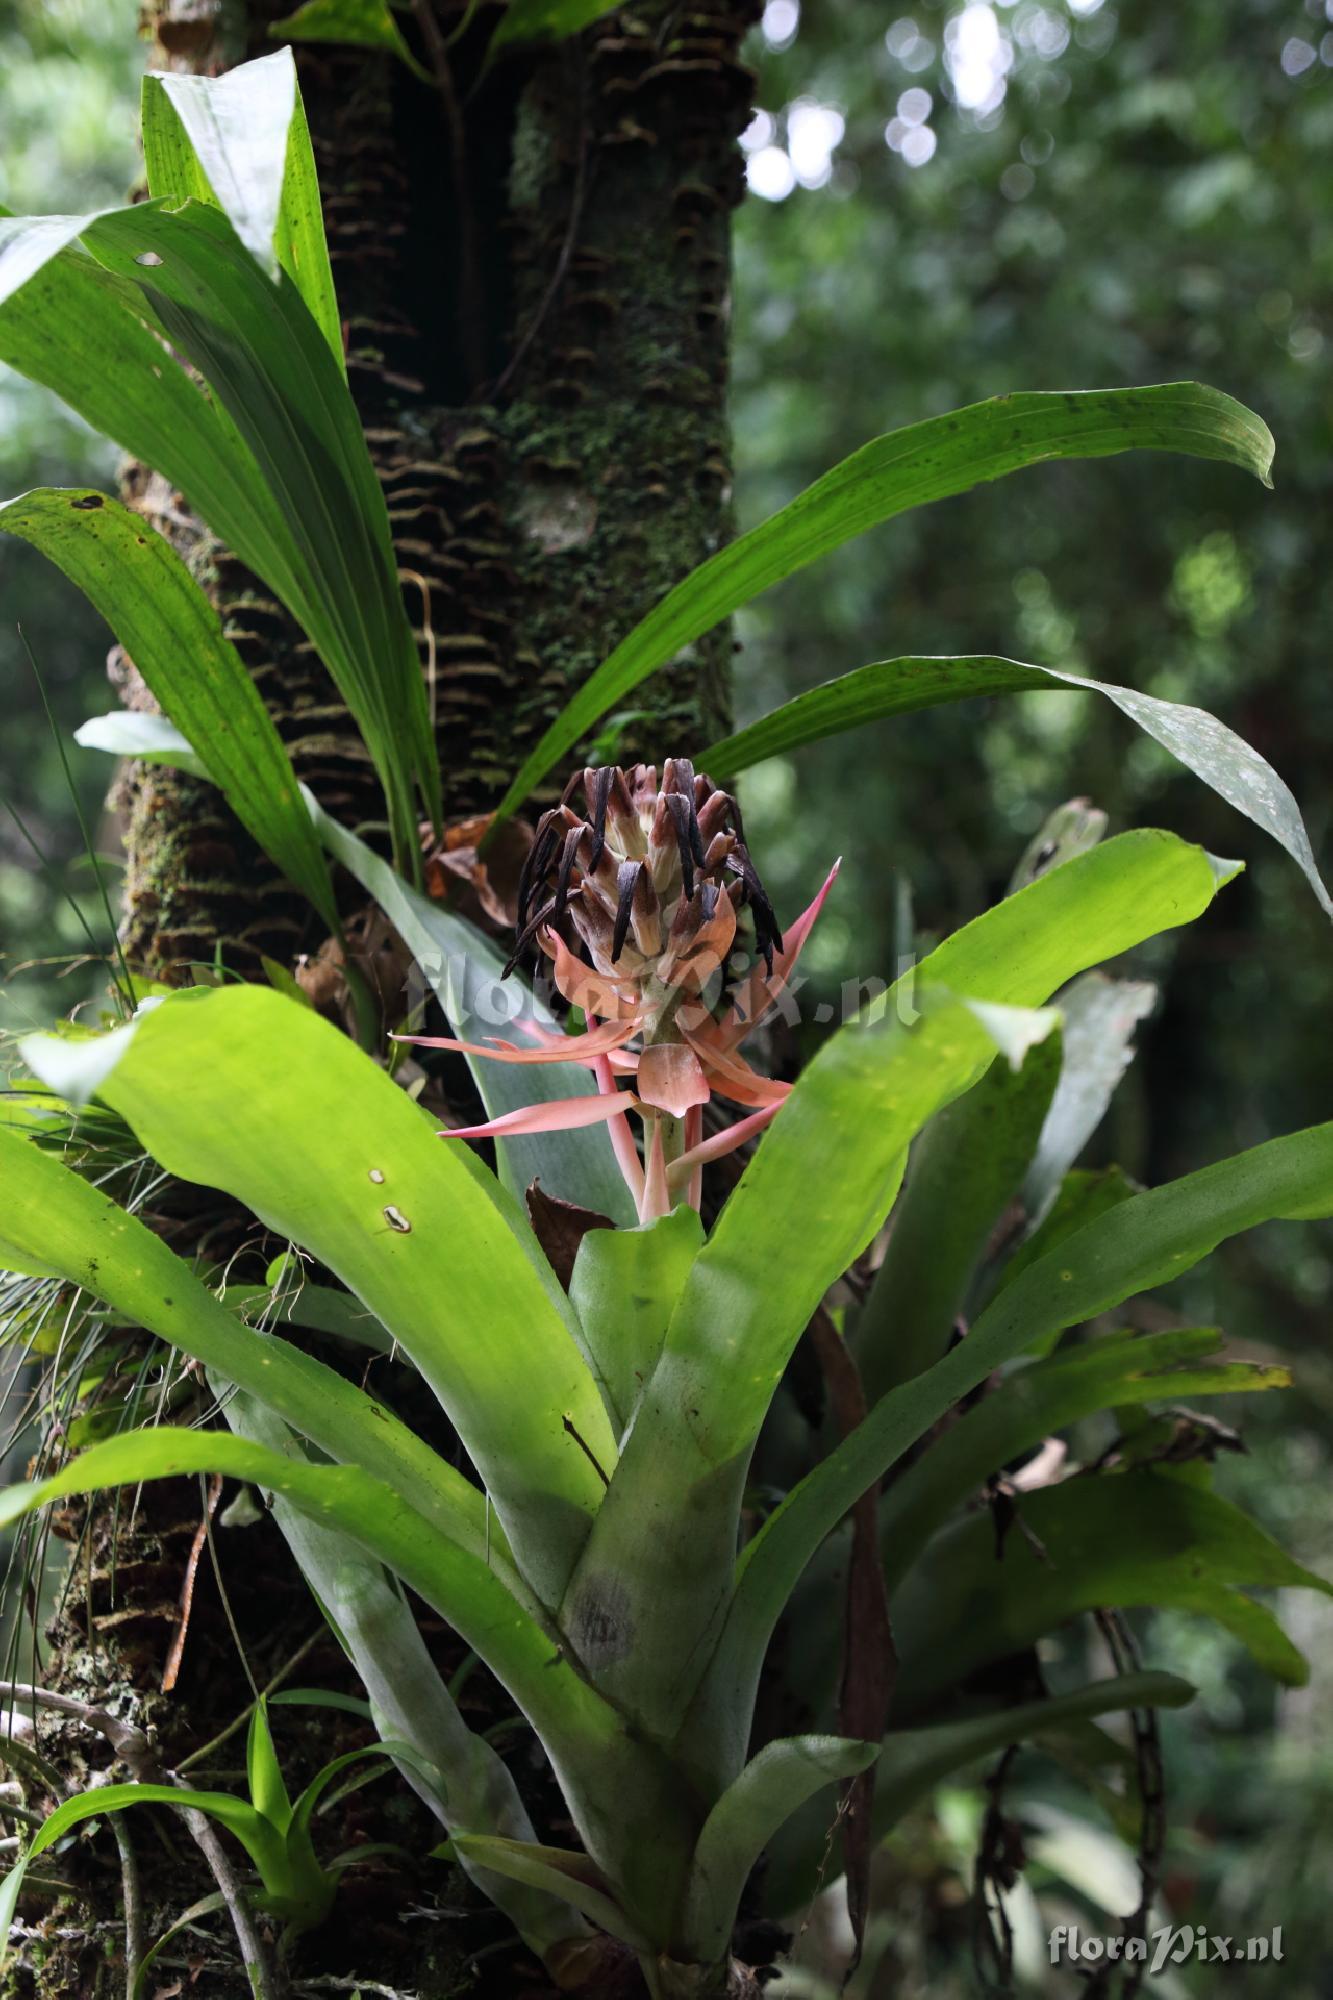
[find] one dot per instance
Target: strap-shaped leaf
(141, 587)
(818, 1187)
(274, 460)
(241, 141)
(572, 1720)
(243, 1090)
(1036, 1401)
(462, 967)
(261, 1841)
(1140, 1243)
(1125, 1539)
(907, 468)
(557, 1871)
(625, 1287)
(968, 1163)
(773, 1786)
(53, 1215)
(69, 324)
(666, 1532)
(1031, 1404)
(470, 1786)
(913, 1761)
(1084, 1194)
(1197, 739)
(269, 366)
(268, 1789)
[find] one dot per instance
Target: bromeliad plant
(641, 1510)
(601, 1568)
(274, 1830)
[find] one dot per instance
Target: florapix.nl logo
(1170, 1944)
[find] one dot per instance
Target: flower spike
(637, 904)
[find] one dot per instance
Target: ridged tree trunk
(535, 288)
(533, 271)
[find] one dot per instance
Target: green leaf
(773, 1785)
(625, 1286)
(348, 1704)
(817, 1189)
(241, 142)
(559, 1873)
(205, 1907)
(461, 1778)
(261, 1840)
(1157, 1235)
(242, 1090)
(53, 1214)
(912, 1762)
(1100, 1017)
(367, 24)
(1136, 1538)
(967, 1165)
(268, 1792)
(1197, 739)
(141, 587)
(133, 732)
(546, 21)
(69, 324)
(1035, 1402)
(807, 1204)
(275, 459)
(811, 1199)
(462, 967)
(269, 366)
(1139, 1244)
(322, 1308)
(572, 1720)
(907, 468)
(1084, 1195)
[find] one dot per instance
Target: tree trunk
(535, 293)
(533, 271)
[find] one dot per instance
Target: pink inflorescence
(636, 904)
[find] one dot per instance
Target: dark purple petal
(627, 881)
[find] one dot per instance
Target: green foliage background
(1148, 198)
(1148, 201)
(69, 81)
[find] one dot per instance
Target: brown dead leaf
(455, 873)
(560, 1227)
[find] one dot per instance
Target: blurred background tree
(69, 81)
(950, 203)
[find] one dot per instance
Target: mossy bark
(540, 360)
